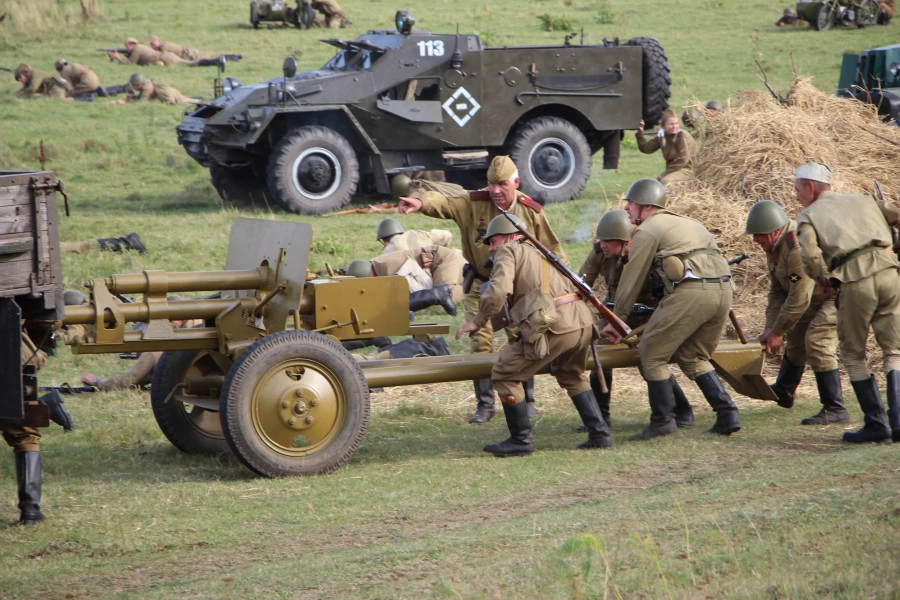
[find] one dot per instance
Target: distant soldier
(334, 16)
(147, 89)
(799, 313)
(678, 148)
(132, 241)
(38, 84)
(83, 81)
(394, 238)
(887, 10)
(189, 54)
(714, 106)
(845, 244)
(789, 17)
(145, 56)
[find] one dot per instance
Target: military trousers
(686, 326)
(814, 339)
(873, 301)
(22, 438)
(567, 357)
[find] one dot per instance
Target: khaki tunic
(82, 79)
(689, 321)
(190, 54)
(832, 229)
(410, 240)
(472, 212)
(446, 268)
(678, 150)
(144, 56)
(42, 84)
(517, 271)
(166, 94)
(797, 309)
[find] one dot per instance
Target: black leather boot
(528, 386)
(602, 398)
(727, 419)
(833, 411)
(484, 393)
(519, 442)
(684, 412)
(113, 90)
(893, 400)
(111, 244)
(598, 430)
(233, 57)
(662, 407)
(28, 475)
(876, 426)
(58, 413)
(133, 242)
(437, 296)
(789, 376)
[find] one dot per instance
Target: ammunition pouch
(671, 269)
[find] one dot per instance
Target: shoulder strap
(479, 196)
(533, 205)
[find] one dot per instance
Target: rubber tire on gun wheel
(190, 428)
(553, 157)
(657, 82)
(313, 170)
(295, 403)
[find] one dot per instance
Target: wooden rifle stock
(584, 289)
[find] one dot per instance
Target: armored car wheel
(656, 81)
(313, 170)
(867, 13)
(824, 17)
(239, 186)
(295, 403)
(554, 159)
(190, 428)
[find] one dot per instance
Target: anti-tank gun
(266, 376)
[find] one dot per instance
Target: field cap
(813, 172)
(131, 41)
(501, 169)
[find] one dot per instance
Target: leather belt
(704, 280)
(568, 298)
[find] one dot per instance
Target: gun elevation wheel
(554, 159)
(295, 403)
(191, 428)
(313, 170)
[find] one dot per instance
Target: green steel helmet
(714, 105)
(136, 79)
(74, 298)
(765, 217)
(388, 227)
(400, 185)
(614, 225)
(647, 192)
(359, 268)
(501, 225)
(691, 117)
(790, 12)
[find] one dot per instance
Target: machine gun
(68, 389)
(7, 69)
(111, 50)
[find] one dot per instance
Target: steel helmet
(359, 268)
(501, 225)
(790, 12)
(714, 105)
(647, 192)
(137, 79)
(691, 117)
(388, 227)
(765, 217)
(614, 225)
(400, 185)
(74, 298)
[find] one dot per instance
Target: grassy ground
(776, 511)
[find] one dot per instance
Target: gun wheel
(190, 427)
(295, 403)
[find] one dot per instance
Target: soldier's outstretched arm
(409, 205)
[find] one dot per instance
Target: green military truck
(408, 100)
(873, 76)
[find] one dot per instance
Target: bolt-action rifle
(7, 69)
(111, 50)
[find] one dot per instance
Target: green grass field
(776, 511)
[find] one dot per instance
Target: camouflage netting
(749, 152)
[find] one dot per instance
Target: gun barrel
(198, 281)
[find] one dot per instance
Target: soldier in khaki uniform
(603, 269)
(520, 270)
(689, 321)
(82, 80)
(188, 54)
(845, 244)
(38, 84)
(678, 148)
(145, 56)
(799, 313)
(334, 16)
(147, 89)
(472, 212)
(434, 274)
(394, 238)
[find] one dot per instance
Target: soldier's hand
(468, 327)
(613, 335)
(409, 205)
(641, 126)
(427, 260)
(89, 379)
(773, 342)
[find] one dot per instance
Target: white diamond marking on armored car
(461, 106)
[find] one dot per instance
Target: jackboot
(28, 476)
(789, 376)
(528, 386)
(876, 425)
(662, 405)
(484, 393)
(113, 90)
(597, 428)
(58, 413)
(133, 242)
(684, 412)
(833, 411)
(601, 397)
(439, 295)
(233, 57)
(893, 400)
(519, 442)
(727, 419)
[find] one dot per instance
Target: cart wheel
(824, 17)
